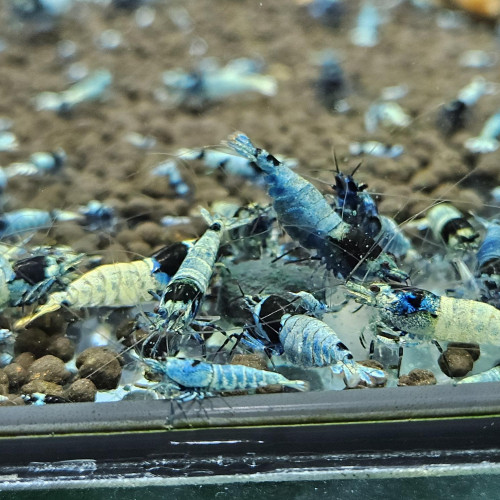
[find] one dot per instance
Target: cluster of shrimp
(367, 254)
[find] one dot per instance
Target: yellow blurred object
(483, 8)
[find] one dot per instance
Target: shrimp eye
(215, 226)
(374, 288)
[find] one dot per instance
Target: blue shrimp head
(404, 308)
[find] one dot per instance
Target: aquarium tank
(249, 248)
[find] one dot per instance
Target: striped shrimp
(187, 379)
(305, 341)
(181, 299)
(449, 225)
(430, 316)
(307, 217)
(123, 284)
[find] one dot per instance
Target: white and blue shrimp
(170, 170)
(491, 375)
(39, 164)
(123, 284)
(307, 217)
(187, 379)
(181, 299)
(365, 34)
(90, 88)
(487, 141)
(453, 116)
(279, 327)
(209, 82)
(376, 148)
(98, 216)
(8, 141)
(448, 225)
(428, 316)
(389, 114)
(488, 265)
(26, 220)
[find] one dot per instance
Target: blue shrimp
(305, 341)
(29, 219)
(328, 12)
(356, 206)
(90, 88)
(97, 216)
(488, 265)
(331, 86)
(453, 116)
(170, 170)
(429, 316)
(307, 217)
(491, 375)
(187, 379)
(8, 141)
(365, 34)
(38, 164)
(487, 141)
(448, 225)
(377, 149)
(388, 114)
(209, 82)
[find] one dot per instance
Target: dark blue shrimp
(307, 217)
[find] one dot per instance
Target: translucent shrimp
(307, 217)
(124, 284)
(429, 316)
(187, 379)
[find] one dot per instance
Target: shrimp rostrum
(307, 217)
(429, 316)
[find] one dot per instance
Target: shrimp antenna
(356, 168)
(336, 162)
